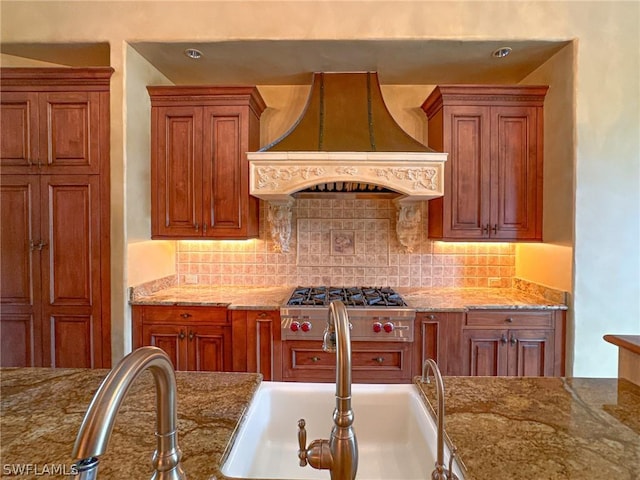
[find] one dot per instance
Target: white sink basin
(396, 435)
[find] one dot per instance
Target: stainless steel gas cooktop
(375, 313)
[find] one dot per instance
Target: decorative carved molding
(279, 216)
(420, 177)
(408, 221)
(277, 175)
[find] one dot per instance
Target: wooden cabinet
(437, 336)
(371, 362)
(54, 149)
(256, 342)
(199, 169)
(493, 176)
(514, 343)
(195, 338)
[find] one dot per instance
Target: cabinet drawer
(184, 315)
(306, 361)
(510, 318)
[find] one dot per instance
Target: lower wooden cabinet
(513, 343)
(371, 362)
(437, 336)
(256, 342)
(195, 338)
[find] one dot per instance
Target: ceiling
(290, 62)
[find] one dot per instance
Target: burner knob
(388, 327)
(295, 326)
(377, 327)
(306, 326)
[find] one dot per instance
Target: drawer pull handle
(509, 320)
(378, 359)
(181, 335)
(185, 315)
(315, 359)
(262, 315)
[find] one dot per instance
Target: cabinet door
(71, 270)
(531, 353)
(438, 336)
(223, 181)
(19, 151)
(20, 325)
(264, 351)
(70, 132)
(209, 348)
(516, 163)
(176, 173)
(171, 339)
(485, 352)
(466, 211)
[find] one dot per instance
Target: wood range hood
(346, 142)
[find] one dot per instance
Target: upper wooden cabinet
(54, 211)
(493, 176)
(199, 169)
(53, 120)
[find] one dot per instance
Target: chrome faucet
(339, 454)
(440, 472)
(97, 424)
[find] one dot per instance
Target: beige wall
(607, 171)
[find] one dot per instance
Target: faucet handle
(450, 474)
(302, 442)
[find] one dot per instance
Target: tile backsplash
(345, 242)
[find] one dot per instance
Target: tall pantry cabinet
(493, 176)
(54, 183)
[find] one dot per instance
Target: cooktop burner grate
(350, 296)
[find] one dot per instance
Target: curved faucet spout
(95, 430)
(339, 454)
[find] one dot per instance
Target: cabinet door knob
(197, 225)
(185, 315)
(181, 335)
(495, 228)
(204, 227)
(315, 359)
(513, 340)
(485, 229)
(380, 360)
(508, 320)
(191, 335)
(503, 339)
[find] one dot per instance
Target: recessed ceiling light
(501, 52)
(193, 53)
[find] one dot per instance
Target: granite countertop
(423, 299)
(463, 299)
(548, 428)
(41, 411)
(232, 297)
(504, 427)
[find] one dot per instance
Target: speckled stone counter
(543, 428)
(504, 427)
(422, 299)
(463, 299)
(42, 409)
(232, 297)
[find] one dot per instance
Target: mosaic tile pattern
(375, 257)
